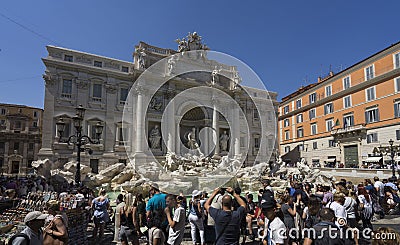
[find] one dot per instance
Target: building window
(97, 92)
(31, 146)
(35, 114)
(68, 58)
(3, 111)
(122, 135)
(17, 125)
(92, 130)
(331, 143)
(312, 113)
(123, 95)
(315, 145)
(397, 135)
(328, 108)
(299, 118)
(256, 116)
(16, 146)
(347, 101)
(67, 129)
(312, 98)
(370, 93)
(369, 72)
(300, 147)
(286, 122)
(346, 83)
(300, 133)
(372, 137)
(35, 124)
(287, 135)
(66, 88)
(2, 122)
(286, 109)
(2, 146)
(94, 165)
(329, 125)
(372, 115)
(287, 149)
(298, 104)
(98, 63)
(314, 129)
(257, 143)
(269, 115)
(125, 69)
(328, 90)
(397, 84)
(348, 121)
(397, 60)
(397, 109)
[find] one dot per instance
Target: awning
(331, 160)
(373, 159)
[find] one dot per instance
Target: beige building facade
(20, 138)
(108, 87)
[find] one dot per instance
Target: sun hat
(196, 193)
(35, 215)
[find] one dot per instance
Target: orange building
(340, 119)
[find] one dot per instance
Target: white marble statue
(192, 143)
(141, 58)
(155, 137)
(214, 76)
(171, 66)
(223, 141)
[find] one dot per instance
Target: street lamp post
(78, 139)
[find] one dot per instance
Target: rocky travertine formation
(182, 174)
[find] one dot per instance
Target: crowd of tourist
(301, 214)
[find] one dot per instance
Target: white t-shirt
(175, 235)
(340, 213)
(350, 205)
(276, 231)
(381, 186)
(156, 233)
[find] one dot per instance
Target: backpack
(25, 236)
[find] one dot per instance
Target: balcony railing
(348, 129)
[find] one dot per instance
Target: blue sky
(287, 43)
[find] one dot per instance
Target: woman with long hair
(311, 212)
(196, 217)
(55, 231)
(366, 207)
(288, 215)
(156, 235)
(100, 205)
(128, 229)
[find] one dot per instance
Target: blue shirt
(393, 186)
(156, 202)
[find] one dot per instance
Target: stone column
(48, 127)
(235, 133)
(171, 127)
(5, 158)
(24, 162)
(110, 127)
(177, 136)
(139, 156)
(215, 125)
(139, 121)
